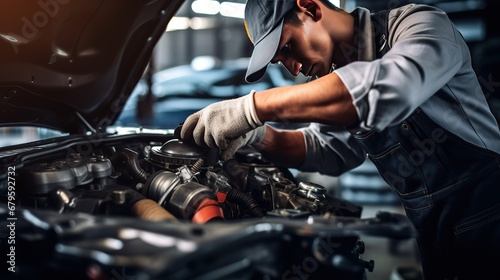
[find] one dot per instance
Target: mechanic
(397, 86)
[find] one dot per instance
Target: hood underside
(71, 65)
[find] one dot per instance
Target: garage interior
(205, 34)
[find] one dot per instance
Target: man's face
(305, 48)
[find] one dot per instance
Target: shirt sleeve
(330, 150)
(424, 56)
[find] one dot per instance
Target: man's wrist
(252, 116)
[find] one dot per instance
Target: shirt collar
(363, 34)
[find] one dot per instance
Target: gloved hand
(252, 137)
(222, 124)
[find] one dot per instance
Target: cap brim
(262, 54)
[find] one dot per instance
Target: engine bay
(75, 194)
(184, 179)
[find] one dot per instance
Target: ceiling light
(178, 23)
(207, 7)
(231, 9)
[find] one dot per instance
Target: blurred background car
(171, 95)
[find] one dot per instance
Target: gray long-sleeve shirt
(428, 66)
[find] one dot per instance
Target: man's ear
(311, 8)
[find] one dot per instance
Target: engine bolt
(118, 197)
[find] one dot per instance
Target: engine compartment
(148, 205)
(186, 180)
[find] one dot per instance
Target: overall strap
(381, 32)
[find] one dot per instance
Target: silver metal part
(99, 167)
(119, 197)
(44, 177)
(69, 173)
(162, 184)
(177, 192)
(186, 174)
(312, 191)
(61, 199)
(186, 198)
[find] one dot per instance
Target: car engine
(77, 198)
(186, 180)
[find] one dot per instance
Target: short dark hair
(291, 17)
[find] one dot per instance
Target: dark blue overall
(450, 190)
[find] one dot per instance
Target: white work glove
(223, 124)
(253, 137)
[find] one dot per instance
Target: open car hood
(71, 65)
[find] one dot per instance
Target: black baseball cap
(263, 23)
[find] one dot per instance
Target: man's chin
(321, 74)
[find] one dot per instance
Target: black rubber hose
(245, 201)
(130, 159)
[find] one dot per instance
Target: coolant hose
(247, 202)
(150, 210)
(208, 210)
(130, 159)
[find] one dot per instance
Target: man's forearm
(283, 147)
(325, 100)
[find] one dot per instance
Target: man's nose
(292, 66)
